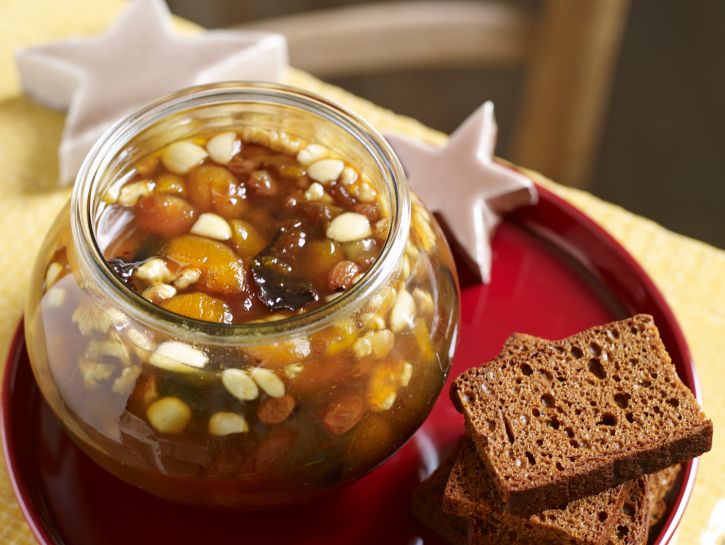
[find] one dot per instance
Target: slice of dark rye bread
(629, 528)
(555, 421)
(426, 505)
(660, 485)
(632, 524)
(470, 492)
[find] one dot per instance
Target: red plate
(555, 272)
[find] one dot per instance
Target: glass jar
(139, 388)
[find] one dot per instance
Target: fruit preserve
(243, 305)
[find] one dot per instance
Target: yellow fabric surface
(690, 274)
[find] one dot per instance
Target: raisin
(123, 270)
(275, 410)
(342, 275)
(369, 210)
(344, 413)
(341, 195)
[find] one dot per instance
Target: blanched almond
(326, 170)
(311, 153)
(348, 227)
(227, 423)
(212, 226)
(169, 415)
(268, 381)
(181, 157)
(223, 147)
(178, 356)
(402, 315)
(240, 384)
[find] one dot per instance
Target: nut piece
(403, 314)
(154, 271)
(363, 347)
(52, 274)
(326, 170)
(239, 384)
(348, 227)
(131, 193)
(348, 176)
(212, 226)
(125, 383)
(315, 192)
(292, 370)
(406, 374)
(275, 410)
(223, 147)
(187, 277)
(108, 348)
(311, 154)
(168, 415)
(178, 356)
(181, 157)
(94, 372)
(268, 381)
(159, 292)
(364, 192)
(225, 423)
(382, 342)
(423, 302)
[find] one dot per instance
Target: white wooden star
(139, 58)
(464, 184)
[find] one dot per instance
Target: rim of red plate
(546, 196)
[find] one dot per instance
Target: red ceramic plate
(555, 272)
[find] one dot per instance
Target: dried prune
(278, 290)
(123, 270)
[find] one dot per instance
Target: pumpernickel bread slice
(470, 492)
(661, 483)
(426, 505)
(629, 528)
(632, 525)
(561, 420)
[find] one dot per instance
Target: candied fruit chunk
(247, 240)
(164, 215)
(344, 413)
(222, 270)
(275, 410)
(199, 306)
(214, 188)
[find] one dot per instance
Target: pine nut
(169, 415)
(326, 170)
(226, 423)
(181, 157)
(239, 384)
(315, 192)
(311, 154)
(212, 226)
(349, 227)
(223, 147)
(178, 356)
(268, 381)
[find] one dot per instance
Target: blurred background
(625, 99)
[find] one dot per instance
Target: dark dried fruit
(123, 270)
(344, 413)
(261, 182)
(369, 210)
(278, 290)
(342, 275)
(341, 195)
(275, 410)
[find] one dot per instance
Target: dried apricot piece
(164, 215)
(171, 184)
(214, 188)
(344, 413)
(247, 240)
(199, 306)
(222, 270)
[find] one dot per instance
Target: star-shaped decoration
(464, 184)
(139, 58)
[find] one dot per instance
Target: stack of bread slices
(574, 442)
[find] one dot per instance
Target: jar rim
(118, 136)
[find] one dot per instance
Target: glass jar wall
(250, 415)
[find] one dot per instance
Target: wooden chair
(569, 49)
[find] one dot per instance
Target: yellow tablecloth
(690, 274)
